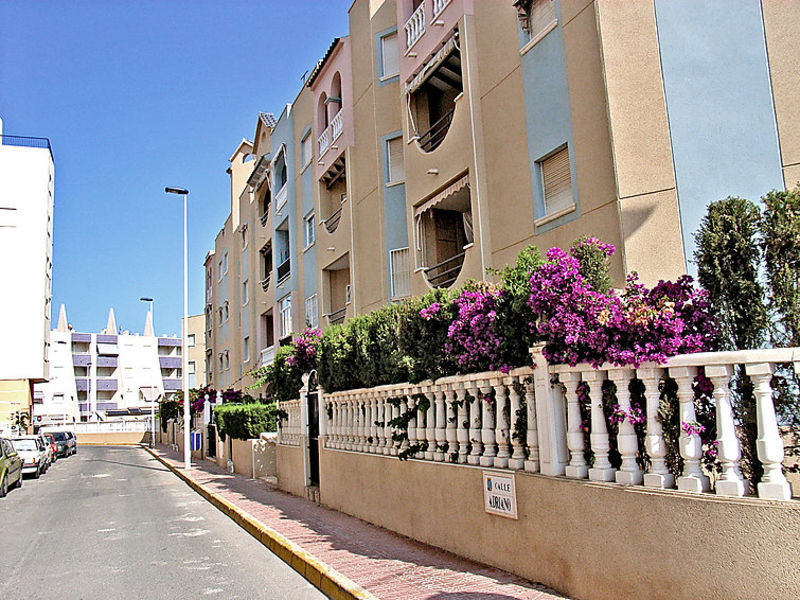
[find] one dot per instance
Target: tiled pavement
(388, 565)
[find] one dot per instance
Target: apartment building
(438, 138)
(26, 247)
(113, 374)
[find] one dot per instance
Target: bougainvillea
(580, 324)
(472, 337)
(306, 346)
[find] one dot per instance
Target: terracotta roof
(268, 118)
(321, 62)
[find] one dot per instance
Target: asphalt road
(113, 523)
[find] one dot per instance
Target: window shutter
(400, 275)
(397, 170)
(543, 12)
(557, 182)
(391, 65)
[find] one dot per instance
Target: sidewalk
(387, 565)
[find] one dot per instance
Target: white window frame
(306, 150)
(246, 348)
(392, 179)
(192, 366)
(394, 73)
(285, 311)
(191, 340)
(309, 232)
(312, 311)
(395, 256)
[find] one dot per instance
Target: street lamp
(187, 451)
(152, 314)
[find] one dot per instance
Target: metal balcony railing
(337, 316)
(284, 270)
(446, 272)
(265, 216)
(431, 139)
(265, 282)
(332, 222)
(415, 26)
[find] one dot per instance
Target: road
(113, 523)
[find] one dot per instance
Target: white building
(107, 375)
(26, 248)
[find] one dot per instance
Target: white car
(33, 453)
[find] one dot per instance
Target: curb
(322, 576)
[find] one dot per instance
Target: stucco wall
(112, 438)
(589, 540)
(290, 469)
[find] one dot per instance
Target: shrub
(594, 258)
(244, 421)
(472, 338)
(423, 324)
(335, 364)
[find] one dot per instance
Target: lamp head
(172, 190)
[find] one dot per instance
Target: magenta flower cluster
(634, 414)
(472, 338)
(580, 324)
(306, 347)
(692, 428)
(427, 313)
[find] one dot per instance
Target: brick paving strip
(342, 555)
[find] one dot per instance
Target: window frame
(191, 340)
(314, 300)
(382, 37)
(285, 313)
(390, 180)
(309, 234)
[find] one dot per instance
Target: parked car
(66, 445)
(73, 441)
(53, 445)
(33, 453)
(10, 467)
(51, 457)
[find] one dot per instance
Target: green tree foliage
(728, 257)
(595, 260)
(245, 421)
(780, 225)
(281, 378)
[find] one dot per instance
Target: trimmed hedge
(245, 421)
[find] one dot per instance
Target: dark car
(65, 441)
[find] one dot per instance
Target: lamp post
(152, 314)
(187, 451)
(152, 400)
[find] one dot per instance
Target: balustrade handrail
(324, 141)
(332, 221)
(284, 269)
(265, 217)
(337, 126)
(431, 139)
(439, 6)
(265, 283)
(446, 276)
(415, 26)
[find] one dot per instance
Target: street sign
(499, 494)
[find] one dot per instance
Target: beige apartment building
(438, 138)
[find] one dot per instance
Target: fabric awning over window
(451, 189)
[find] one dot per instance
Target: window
(246, 349)
(391, 64)
(221, 363)
(192, 367)
(244, 292)
(225, 262)
(219, 270)
(227, 360)
(394, 152)
(244, 236)
(305, 149)
(556, 183)
(190, 340)
(312, 312)
(285, 307)
(347, 294)
(225, 310)
(309, 234)
(536, 17)
(399, 273)
(221, 315)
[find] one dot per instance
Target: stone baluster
(412, 422)
(501, 428)
(577, 467)
(372, 429)
(403, 410)
(430, 422)
(730, 482)
(462, 423)
(602, 469)
(627, 443)
(340, 410)
(532, 435)
(441, 425)
(691, 446)
(387, 430)
(354, 437)
(658, 475)
(517, 460)
(421, 421)
(769, 444)
(487, 431)
(475, 408)
(451, 434)
(363, 400)
(351, 422)
(395, 415)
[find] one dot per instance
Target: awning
(451, 189)
(432, 65)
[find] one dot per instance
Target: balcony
(281, 197)
(26, 142)
(445, 273)
(106, 361)
(415, 26)
(267, 356)
(81, 360)
(265, 217)
(170, 362)
(81, 384)
(337, 126)
(209, 295)
(431, 139)
(107, 385)
(438, 7)
(167, 342)
(81, 338)
(265, 283)
(284, 271)
(172, 385)
(337, 316)
(332, 222)
(105, 338)
(324, 141)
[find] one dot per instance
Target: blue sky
(135, 96)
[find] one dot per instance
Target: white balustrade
(337, 126)
(415, 26)
(471, 419)
(438, 7)
(324, 141)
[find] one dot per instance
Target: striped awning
(432, 65)
(451, 189)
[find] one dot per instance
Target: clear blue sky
(134, 96)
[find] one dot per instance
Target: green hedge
(244, 421)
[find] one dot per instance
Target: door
(212, 441)
(313, 432)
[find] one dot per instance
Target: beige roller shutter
(543, 13)
(397, 170)
(557, 182)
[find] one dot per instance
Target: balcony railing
(438, 7)
(281, 197)
(332, 222)
(431, 139)
(267, 356)
(446, 272)
(284, 270)
(415, 27)
(265, 282)
(265, 216)
(324, 141)
(337, 316)
(337, 125)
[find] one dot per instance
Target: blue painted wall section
(394, 210)
(284, 134)
(547, 113)
(719, 104)
(309, 255)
